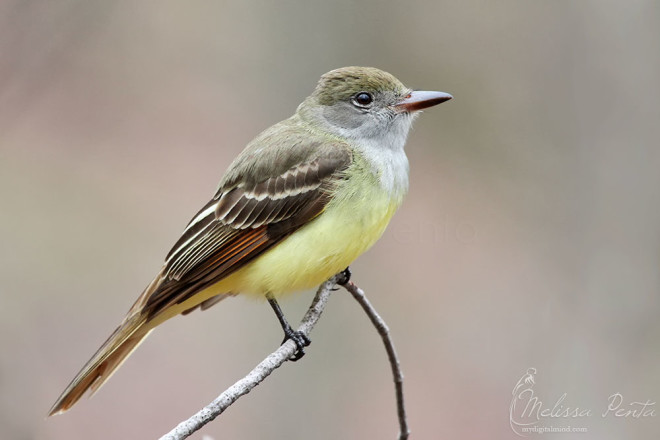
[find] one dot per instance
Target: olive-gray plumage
(300, 203)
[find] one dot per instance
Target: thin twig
(384, 333)
(258, 374)
(285, 352)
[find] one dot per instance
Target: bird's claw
(344, 276)
(301, 340)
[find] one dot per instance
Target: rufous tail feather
(105, 361)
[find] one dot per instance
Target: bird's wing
(251, 212)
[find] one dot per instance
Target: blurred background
(530, 238)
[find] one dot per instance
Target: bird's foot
(300, 339)
(344, 276)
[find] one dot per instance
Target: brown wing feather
(241, 223)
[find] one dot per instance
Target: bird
(298, 205)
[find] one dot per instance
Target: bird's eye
(363, 99)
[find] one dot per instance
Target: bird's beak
(419, 100)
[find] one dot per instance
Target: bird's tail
(105, 361)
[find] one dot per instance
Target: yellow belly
(317, 251)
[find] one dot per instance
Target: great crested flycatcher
(303, 200)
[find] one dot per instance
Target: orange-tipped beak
(419, 100)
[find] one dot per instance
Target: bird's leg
(299, 338)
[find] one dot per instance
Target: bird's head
(366, 104)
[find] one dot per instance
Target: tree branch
(285, 352)
(258, 374)
(384, 333)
